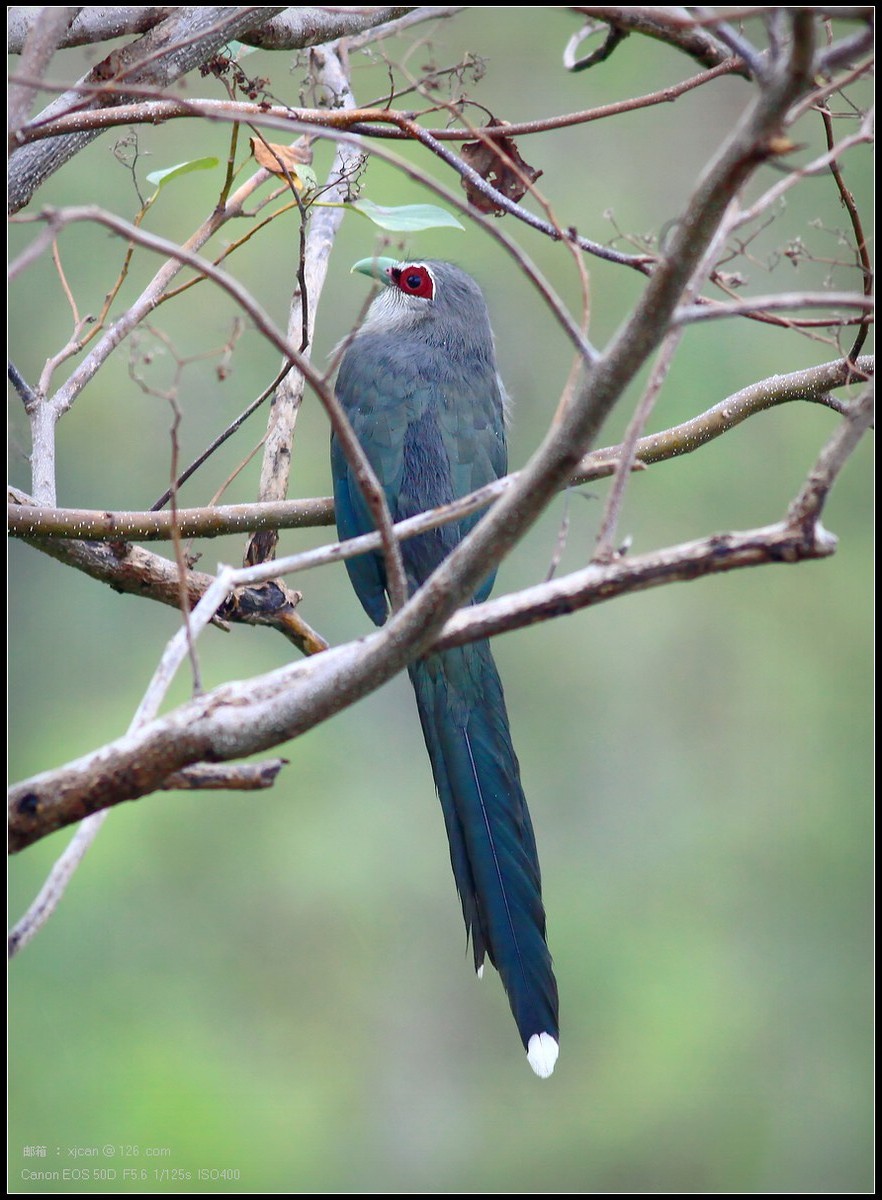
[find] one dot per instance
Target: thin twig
(863, 253)
(692, 313)
(219, 440)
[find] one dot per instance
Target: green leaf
(161, 178)
(408, 218)
(308, 177)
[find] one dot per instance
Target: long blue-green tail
(492, 846)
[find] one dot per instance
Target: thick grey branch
(28, 521)
(91, 24)
(297, 27)
(293, 28)
(184, 40)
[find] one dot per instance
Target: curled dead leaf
(497, 161)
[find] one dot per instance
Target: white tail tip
(542, 1052)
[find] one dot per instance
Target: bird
(419, 384)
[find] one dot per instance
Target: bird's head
(411, 280)
(436, 297)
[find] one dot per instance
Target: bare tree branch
(228, 777)
(90, 24)
(50, 894)
(92, 525)
(666, 24)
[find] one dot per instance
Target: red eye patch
(414, 281)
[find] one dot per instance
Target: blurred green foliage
(276, 984)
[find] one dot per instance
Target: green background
(277, 984)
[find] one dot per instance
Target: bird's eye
(415, 281)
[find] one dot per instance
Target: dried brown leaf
(497, 161)
(283, 160)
